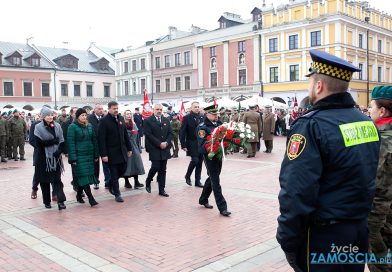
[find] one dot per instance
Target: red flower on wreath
(225, 144)
(209, 138)
(215, 148)
(237, 141)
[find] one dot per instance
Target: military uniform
(18, 130)
(62, 119)
(268, 130)
(327, 178)
(380, 217)
(3, 137)
(252, 118)
(175, 126)
(9, 136)
(213, 166)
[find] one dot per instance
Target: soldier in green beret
(3, 136)
(18, 129)
(175, 126)
(380, 217)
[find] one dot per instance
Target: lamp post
(367, 19)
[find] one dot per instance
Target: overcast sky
(116, 23)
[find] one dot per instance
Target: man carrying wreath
(214, 165)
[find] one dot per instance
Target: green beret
(15, 110)
(4, 113)
(382, 92)
(9, 112)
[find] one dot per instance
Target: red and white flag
(147, 110)
(182, 111)
(295, 101)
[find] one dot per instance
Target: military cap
(330, 65)
(9, 112)
(253, 106)
(15, 110)
(212, 109)
(4, 113)
(268, 106)
(382, 92)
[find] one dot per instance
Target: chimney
(195, 29)
(172, 32)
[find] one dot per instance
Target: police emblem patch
(295, 146)
(202, 133)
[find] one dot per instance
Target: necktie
(159, 119)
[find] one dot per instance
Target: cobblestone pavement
(146, 232)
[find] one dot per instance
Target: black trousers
(323, 238)
(269, 144)
(212, 183)
(96, 170)
(160, 167)
(116, 171)
(196, 164)
(57, 190)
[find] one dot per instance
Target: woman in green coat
(82, 153)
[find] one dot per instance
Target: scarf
(42, 132)
(384, 121)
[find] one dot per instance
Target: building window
(157, 62)
(274, 76)
(27, 88)
(214, 79)
(213, 63)
(273, 45)
(177, 60)
(125, 66)
(294, 72)
(212, 51)
(142, 64)
(126, 87)
(222, 24)
(315, 38)
(8, 88)
(379, 75)
(35, 62)
(142, 84)
(379, 46)
(16, 60)
(64, 89)
(187, 58)
(158, 86)
(242, 77)
(134, 87)
(76, 90)
(44, 89)
(106, 91)
(167, 84)
(167, 61)
(178, 83)
(293, 42)
(241, 46)
(89, 92)
(134, 65)
(187, 83)
(360, 41)
(241, 59)
(360, 66)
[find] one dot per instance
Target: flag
(214, 101)
(295, 101)
(239, 107)
(182, 112)
(147, 110)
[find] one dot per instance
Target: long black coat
(92, 119)
(157, 133)
(33, 142)
(64, 127)
(137, 117)
(113, 139)
(188, 137)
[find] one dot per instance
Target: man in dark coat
(94, 119)
(189, 144)
(158, 142)
(137, 117)
(114, 146)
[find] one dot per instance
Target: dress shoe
(138, 184)
(148, 188)
(119, 199)
(61, 206)
(16, 159)
(48, 206)
(225, 213)
(96, 186)
(164, 194)
(3, 160)
(22, 158)
(79, 198)
(93, 202)
(188, 181)
(199, 185)
(208, 206)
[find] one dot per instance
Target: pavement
(146, 232)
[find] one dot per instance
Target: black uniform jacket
(157, 133)
(188, 137)
(329, 169)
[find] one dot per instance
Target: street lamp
(367, 19)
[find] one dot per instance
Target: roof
(85, 59)
(8, 48)
(232, 17)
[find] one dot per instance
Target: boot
(91, 199)
(127, 184)
(22, 158)
(137, 183)
(79, 197)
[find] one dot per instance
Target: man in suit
(158, 141)
(94, 119)
(138, 118)
(252, 118)
(114, 146)
(188, 141)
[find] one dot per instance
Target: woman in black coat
(49, 165)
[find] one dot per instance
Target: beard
(312, 95)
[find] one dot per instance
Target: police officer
(3, 136)
(328, 173)
(213, 166)
(18, 130)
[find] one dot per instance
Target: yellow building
(340, 27)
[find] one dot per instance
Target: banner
(182, 112)
(147, 110)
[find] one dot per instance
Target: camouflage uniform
(18, 130)
(62, 119)
(380, 217)
(3, 138)
(9, 137)
(175, 126)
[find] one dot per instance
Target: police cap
(212, 109)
